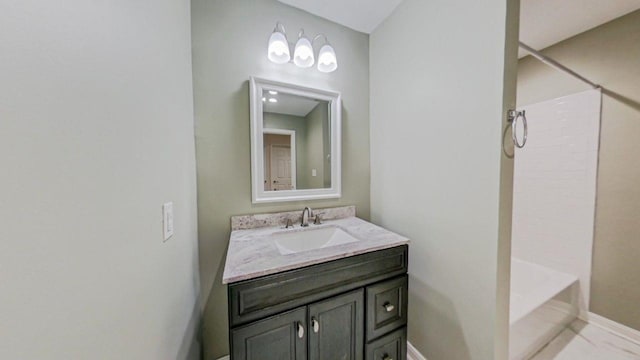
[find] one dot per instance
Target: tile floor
(582, 341)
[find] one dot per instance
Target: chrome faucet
(305, 220)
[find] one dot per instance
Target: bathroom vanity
(323, 287)
(343, 295)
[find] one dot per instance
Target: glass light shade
(303, 54)
(327, 61)
(278, 48)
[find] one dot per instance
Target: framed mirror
(295, 142)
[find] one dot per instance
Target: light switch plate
(314, 172)
(167, 220)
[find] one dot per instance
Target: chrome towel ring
(513, 117)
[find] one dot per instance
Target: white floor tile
(581, 341)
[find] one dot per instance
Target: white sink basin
(293, 242)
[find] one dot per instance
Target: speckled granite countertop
(252, 252)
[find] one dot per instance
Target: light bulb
(278, 48)
(327, 61)
(303, 54)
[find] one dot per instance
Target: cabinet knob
(388, 308)
(315, 324)
(300, 331)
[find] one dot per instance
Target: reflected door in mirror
(279, 160)
(280, 169)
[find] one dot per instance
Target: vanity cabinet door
(281, 337)
(336, 328)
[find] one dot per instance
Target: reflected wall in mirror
(295, 134)
(297, 142)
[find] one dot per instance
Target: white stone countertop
(253, 253)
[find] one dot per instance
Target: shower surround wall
(610, 56)
(555, 186)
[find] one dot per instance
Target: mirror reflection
(297, 142)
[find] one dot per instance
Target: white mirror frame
(258, 194)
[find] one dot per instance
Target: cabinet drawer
(258, 298)
(386, 306)
(389, 347)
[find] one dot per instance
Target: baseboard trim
(611, 326)
(413, 353)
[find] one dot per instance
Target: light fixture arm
(313, 40)
(281, 25)
(326, 39)
(301, 34)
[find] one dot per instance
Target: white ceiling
(542, 22)
(547, 22)
(360, 15)
(288, 104)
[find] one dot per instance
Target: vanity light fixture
(303, 52)
(279, 46)
(327, 61)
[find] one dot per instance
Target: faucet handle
(289, 224)
(317, 220)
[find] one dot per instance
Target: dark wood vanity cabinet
(336, 327)
(278, 337)
(389, 347)
(348, 309)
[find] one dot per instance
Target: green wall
(96, 134)
(317, 142)
(229, 41)
(438, 175)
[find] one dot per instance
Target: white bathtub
(543, 302)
